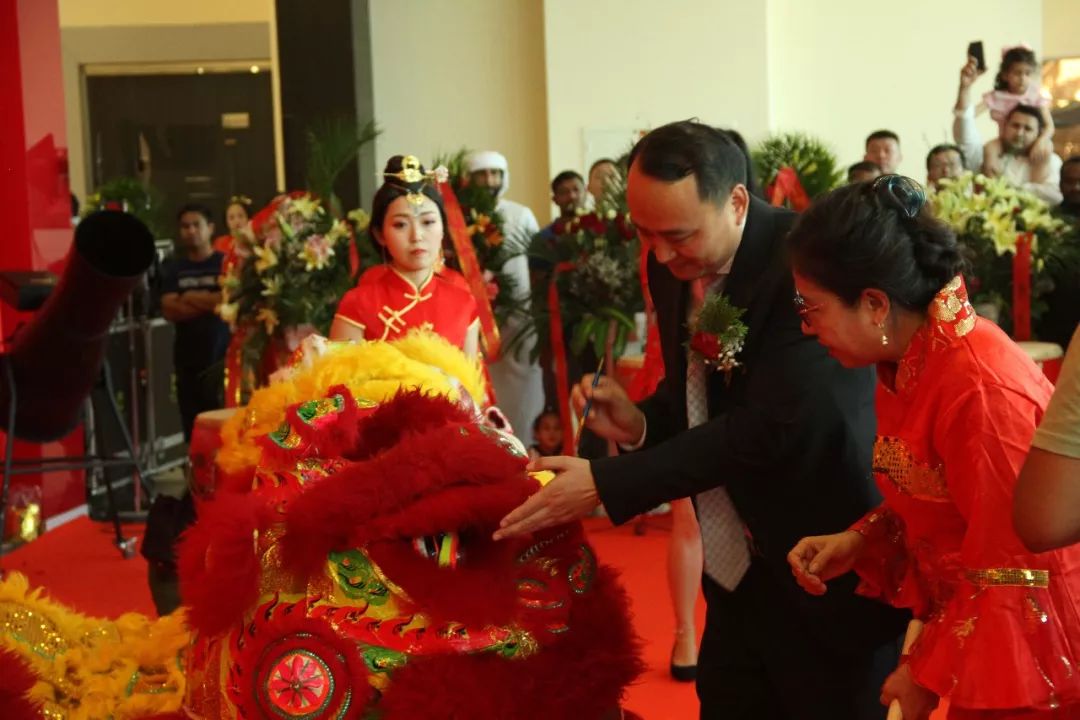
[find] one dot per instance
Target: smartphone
(975, 50)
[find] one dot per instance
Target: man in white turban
(518, 381)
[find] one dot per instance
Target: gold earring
(884, 337)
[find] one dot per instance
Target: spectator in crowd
(191, 292)
(863, 171)
(548, 432)
(883, 148)
(1023, 127)
(1070, 188)
(600, 172)
(190, 295)
(943, 161)
(516, 378)
(568, 194)
(1062, 313)
(1017, 83)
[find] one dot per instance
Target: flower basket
(1008, 236)
(286, 274)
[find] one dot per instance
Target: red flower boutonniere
(717, 333)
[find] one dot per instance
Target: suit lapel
(754, 262)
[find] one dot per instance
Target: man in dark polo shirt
(191, 293)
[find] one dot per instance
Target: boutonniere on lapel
(717, 333)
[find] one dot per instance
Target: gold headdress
(240, 200)
(412, 177)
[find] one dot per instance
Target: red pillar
(34, 186)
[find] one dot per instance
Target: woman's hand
(916, 702)
(612, 415)
(816, 560)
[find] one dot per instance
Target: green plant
(133, 196)
(810, 158)
(332, 144)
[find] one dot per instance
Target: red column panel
(34, 185)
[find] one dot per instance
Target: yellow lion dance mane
(372, 371)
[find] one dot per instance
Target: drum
(1047, 356)
(205, 443)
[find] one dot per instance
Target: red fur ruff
(217, 562)
(16, 680)
(410, 411)
(581, 675)
(339, 511)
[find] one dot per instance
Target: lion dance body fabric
(346, 570)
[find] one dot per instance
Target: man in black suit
(777, 449)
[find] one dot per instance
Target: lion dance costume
(346, 570)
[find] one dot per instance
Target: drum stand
(13, 467)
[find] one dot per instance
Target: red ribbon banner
(645, 382)
(474, 274)
(558, 352)
(1021, 298)
(787, 187)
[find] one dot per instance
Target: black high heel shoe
(682, 673)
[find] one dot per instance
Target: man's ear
(740, 202)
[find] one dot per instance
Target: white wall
(463, 73)
(840, 69)
(619, 66)
(1061, 28)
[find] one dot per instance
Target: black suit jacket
(790, 436)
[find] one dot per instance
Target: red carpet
(79, 566)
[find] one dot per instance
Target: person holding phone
(1022, 153)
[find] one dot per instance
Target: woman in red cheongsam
(412, 290)
(878, 282)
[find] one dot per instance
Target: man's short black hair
(680, 149)
(863, 166)
(563, 177)
(194, 207)
(944, 147)
(1029, 110)
(882, 135)
(1071, 160)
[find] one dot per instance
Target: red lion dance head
(359, 580)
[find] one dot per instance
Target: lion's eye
(444, 548)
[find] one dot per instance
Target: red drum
(1047, 356)
(205, 443)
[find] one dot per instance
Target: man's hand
(570, 496)
(970, 73)
(612, 415)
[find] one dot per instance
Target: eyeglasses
(803, 308)
(900, 193)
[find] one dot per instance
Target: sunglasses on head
(900, 193)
